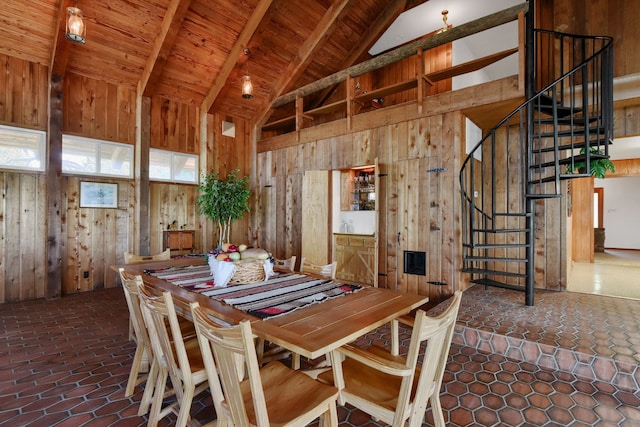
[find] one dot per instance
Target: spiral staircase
(565, 125)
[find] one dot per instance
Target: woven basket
(248, 271)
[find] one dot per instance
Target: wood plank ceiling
(191, 51)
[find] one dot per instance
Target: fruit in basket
(225, 247)
(234, 256)
(222, 257)
(232, 248)
(254, 253)
(242, 248)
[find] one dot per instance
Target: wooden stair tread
(496, 284)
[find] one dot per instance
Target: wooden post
(350, 96)
(420, 78)
(143, 136)
(299, 116)
(54, 190)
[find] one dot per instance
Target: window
(23, 149)
(172, 166)
(86, 156)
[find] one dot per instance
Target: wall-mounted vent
(415, 263)
(228, 129)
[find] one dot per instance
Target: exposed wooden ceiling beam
(171, 24)
(476, 26)
(234, 54)
(297, 66)
(61, 46)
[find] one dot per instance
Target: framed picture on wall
(98, 195)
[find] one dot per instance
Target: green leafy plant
(599, 166)
(223, 201)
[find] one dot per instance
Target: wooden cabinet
(355, 255)
(179, 241)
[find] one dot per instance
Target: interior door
(316, 217)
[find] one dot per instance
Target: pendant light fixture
(247, 86)
(445, 25)
(76, 31)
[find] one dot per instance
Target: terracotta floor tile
(65, 363)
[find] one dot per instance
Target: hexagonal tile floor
(570, 360)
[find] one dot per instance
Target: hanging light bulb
(247, 86)
(76, 31)
(445, 25)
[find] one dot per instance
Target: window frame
(99, 144)
(42, 149)
(172, 172)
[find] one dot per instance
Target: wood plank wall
(23, 103)
(100, 110)
(94, 239)
(407, 145)
(23, 93)
(421, 207)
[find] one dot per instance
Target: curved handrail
(536, 97)
(526, 154)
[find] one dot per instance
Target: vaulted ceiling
(191, 51)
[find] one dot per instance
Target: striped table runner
(276, 296)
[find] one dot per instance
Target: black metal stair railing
(567, 122)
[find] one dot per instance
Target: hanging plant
(599, 166)
(223, 201)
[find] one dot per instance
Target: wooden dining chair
(271, 395)
(395, 389)
(177, 358)
(286, 264)
(143, 356)
(130, 258)
(328, 270)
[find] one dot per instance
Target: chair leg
(185, 406)
(295, 361)
(147, 396)
(330, 417)
(158, 396)
(136, 368)
(395, 337)
(436, 410)
(132, 334)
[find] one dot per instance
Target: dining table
(311, 331)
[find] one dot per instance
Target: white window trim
(100, 143)
(171, 163)
(42, 149)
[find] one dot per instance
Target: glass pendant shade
(247, 87)
(76, 30)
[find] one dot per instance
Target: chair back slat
(328, 270)
(130, 258)
(235, 354)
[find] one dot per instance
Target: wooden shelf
(366, 98)
(387, 90)
(329, 108)
(281, 123)
(467, 67)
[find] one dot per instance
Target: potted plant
(223, 201)
(599, 164)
